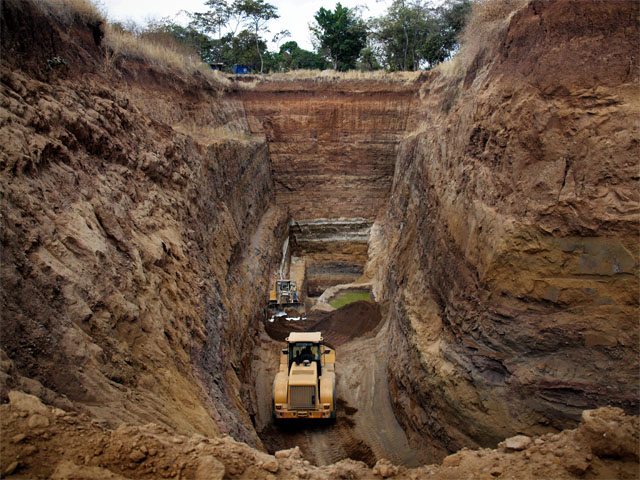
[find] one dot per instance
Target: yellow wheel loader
(305, 385)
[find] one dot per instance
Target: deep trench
(333, 155)
(334, 254)
(332, 152)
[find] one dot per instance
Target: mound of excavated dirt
(337, 327)
(43, 442)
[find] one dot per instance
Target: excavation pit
(335, 251)
(142, 204)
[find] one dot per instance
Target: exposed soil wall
(131, 253)
(509, 249)
(335, 251)
(332, 144)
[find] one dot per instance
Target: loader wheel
(275, 419)
(332, 418)
(332, 415)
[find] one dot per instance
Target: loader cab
(302, 352)
(305, 349)
(305, 385)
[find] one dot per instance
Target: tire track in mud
(366, 428)
(321, 444)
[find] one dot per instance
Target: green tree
(241, 49)
(212, 21)
(292, 57)
(368, 61)
(256, 14)
(193, 41)
(281, 35)
(452, 17)
(411, 35)
(402, 32)
(228, 49)
(340, 35)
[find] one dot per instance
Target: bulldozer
(284, 294)
(305, 385)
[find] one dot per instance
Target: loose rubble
(72, 446)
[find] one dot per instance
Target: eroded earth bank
(488, 209)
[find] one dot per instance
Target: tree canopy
(411, 35)
(255, 14)
(340, 35)
(292, 57)
(213, 20)
(401, 34)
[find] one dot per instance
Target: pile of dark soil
(337, 327)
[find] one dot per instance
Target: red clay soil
(337, 327)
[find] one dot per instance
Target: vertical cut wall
(510, 246)
(332, 145)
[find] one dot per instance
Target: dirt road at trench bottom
(366, 428)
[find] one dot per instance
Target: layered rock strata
(335, 251)
(332, 144)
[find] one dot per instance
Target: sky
(295, 15)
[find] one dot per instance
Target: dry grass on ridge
(352, 75)
(488, 21)
(67, 11)
(164, 53)
(330, 77)
(160, 52)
